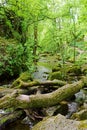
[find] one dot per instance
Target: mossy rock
(81, 115)
(60, 122)
(56, 68)
(25, 76)
(84, 69)
(61, 108)
(55, 75)
(76, 70)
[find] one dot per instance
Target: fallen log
(42, 100)
(44, 83)
(5, 91)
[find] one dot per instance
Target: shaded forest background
(29, 28)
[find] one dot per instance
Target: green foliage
(60, 28)
(11, 57)
(29, 56)
(25, 76)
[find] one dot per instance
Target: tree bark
(42, 100)
(5, 91)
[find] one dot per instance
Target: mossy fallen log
(5, 91)
(25, 76)
(42, 100)
(44, 83)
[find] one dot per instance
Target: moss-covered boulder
(62, 108)
(56, 68)
(55, 75)
(74, 69)
(81, 115)
(60, 122)
(84, 69)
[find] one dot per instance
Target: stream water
(42, 73)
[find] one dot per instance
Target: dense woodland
(35, 33)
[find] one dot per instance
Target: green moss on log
(26, 76)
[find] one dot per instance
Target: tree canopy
(45, 26)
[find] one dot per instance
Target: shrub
(11, 57)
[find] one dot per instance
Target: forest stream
(41, 74)
(43, 65)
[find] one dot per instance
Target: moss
(55, 75)
(49, 61)
(81, 115)
(74, 69)
(25, 76)
(6, 119)
(60, 122)
(56, 68)
(84, 69)
(83, 125)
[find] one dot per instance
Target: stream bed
(41, 74)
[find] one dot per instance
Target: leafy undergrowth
(11, 58)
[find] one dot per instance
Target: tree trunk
(42, 100)
(5, 91)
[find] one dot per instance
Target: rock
(62, 108)
(56, 68)
(59, 122)
(74, 69)
(72, 108)
(81, 115)
(55, 75)
(80, 97)
(84, 69)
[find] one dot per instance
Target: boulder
(60, 122)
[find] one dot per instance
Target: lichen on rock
(60, 122)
